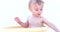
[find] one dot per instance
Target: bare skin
(36, 12)
(25, 25)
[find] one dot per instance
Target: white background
(9, 9)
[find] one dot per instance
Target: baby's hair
(36, 1)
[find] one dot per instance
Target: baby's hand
(17, 19)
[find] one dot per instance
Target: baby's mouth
(38, 14)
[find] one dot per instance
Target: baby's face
(36, 9)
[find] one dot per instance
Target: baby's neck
(36, 16)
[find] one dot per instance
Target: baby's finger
(16, 19)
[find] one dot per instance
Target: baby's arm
(25, 25)
(50, 25)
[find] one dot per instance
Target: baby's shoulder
(29, 17)
(43, 18)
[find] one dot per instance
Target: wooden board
(20, 29)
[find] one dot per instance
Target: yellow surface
(20, 29)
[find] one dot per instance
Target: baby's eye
(41, 9)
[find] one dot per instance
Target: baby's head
(36, 6)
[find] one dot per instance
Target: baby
(36, 20)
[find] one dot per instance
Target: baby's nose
(39, 11)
